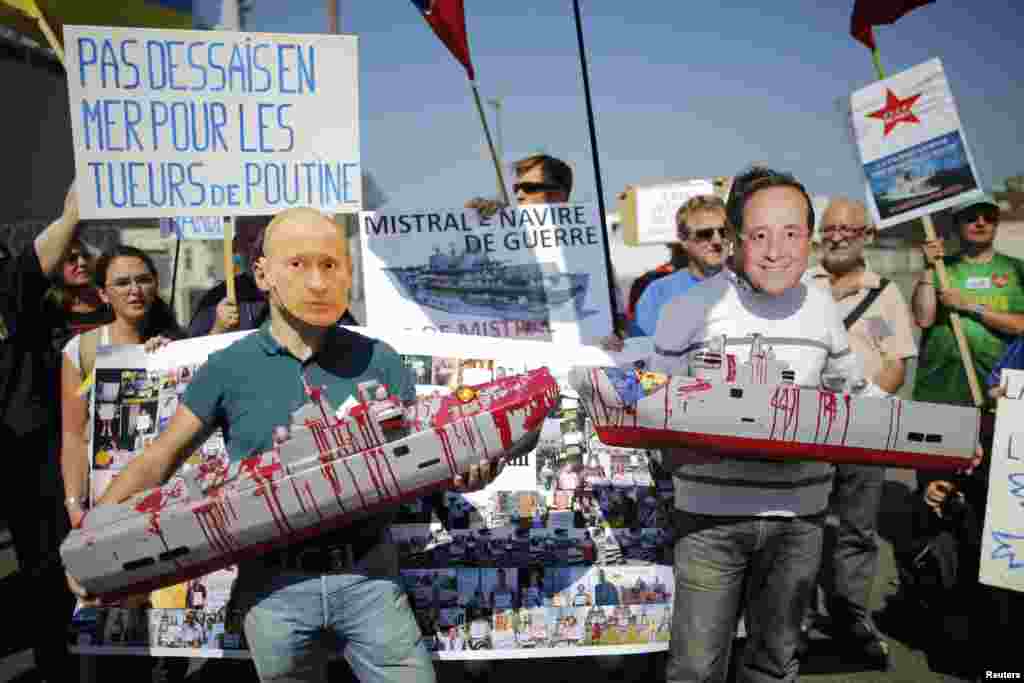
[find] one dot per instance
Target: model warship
(326, 469)
(476, 284)
(755, 410)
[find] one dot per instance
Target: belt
(323, 557)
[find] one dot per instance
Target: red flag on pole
(870, 13)
(448, 19)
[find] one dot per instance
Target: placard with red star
(896, 111)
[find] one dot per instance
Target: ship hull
(304, 488)
(776, 422)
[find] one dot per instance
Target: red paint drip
(500, 418)
(312, 498)
(355, 482)
(446, 449)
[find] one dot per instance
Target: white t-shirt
(803, 328)
(73, 349)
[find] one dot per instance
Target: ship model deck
(324, 472)
(754, 410)
(478, 285)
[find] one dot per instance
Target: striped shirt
(803, 328)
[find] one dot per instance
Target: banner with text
(567, 552)
(212, 123)
(915, 156)
(535, 272)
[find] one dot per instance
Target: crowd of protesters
(749, 533)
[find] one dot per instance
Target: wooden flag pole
(940, 269)
(490, 144)
(955, 322)
(51, 38)
(229, 259)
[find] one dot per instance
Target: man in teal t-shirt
(986, 289)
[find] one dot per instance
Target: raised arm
(52, 242)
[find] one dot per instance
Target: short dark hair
(555, 171)
(758, 178)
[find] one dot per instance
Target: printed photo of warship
(909, 187)
(755, 410)
(331, 466)
(476, 284)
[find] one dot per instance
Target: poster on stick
(1002, 546)
(536, 272)
(648, 212)
(212, 123)
(912, 146)
(566, 553)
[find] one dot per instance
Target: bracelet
(73, 500)
(926, 283)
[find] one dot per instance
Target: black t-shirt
(27, 401)
(65, 325)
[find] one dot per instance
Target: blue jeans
(856, 499)
(294, 621)
(766, 566)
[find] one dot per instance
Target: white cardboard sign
(212, 123)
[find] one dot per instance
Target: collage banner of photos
(567, 550)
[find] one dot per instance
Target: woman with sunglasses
(73, 302)
(127, 281)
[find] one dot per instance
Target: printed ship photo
(475, 284)
(753, 409)
(331, 466)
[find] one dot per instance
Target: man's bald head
(296, 223)
(845, 229)
(306, 267)
(845, 211)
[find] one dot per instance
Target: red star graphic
(896, 111)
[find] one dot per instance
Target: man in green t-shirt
(986, 288)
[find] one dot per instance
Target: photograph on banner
(212, 123)
(912, 145)
(532, 272)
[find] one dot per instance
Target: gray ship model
(755, 410)
(475, 284)
(326, 470)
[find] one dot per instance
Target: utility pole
(496, 103)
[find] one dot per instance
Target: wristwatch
(977, 309)
(73, 500)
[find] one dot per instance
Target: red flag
(448, 19)
(870, 13)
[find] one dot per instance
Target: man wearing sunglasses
(986, 288)
(705, 237)
(878, 322)
(540, 179)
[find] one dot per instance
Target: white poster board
(916, 159)
(175, 122)
(535, 272)
(655, 206)
(1002, 545)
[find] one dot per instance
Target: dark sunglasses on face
(966, 216)
(533, 188)
(704, 234)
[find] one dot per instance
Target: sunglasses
(704, 234)
(990, 215)
(533, 188)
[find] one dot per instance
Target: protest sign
(564, 554)
(193, 227)
(212, 123)
(912, 146)
(648, 212)
(536, 271)
(1002, 545)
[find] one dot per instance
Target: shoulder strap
(865, 304)
(87, 346)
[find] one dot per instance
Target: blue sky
(678, 91)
